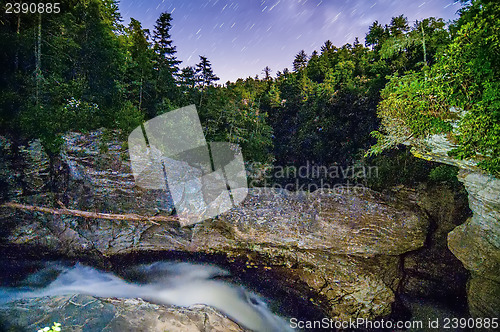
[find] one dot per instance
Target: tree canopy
(84, 69)
(458, 95)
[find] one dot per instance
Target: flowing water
(164, 282)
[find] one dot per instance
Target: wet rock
(483, 297)
(101, 179)
(89, 314)
(436, 148)
(36, 171)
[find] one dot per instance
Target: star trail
(240, 38)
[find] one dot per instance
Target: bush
(55, 328)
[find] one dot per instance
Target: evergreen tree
(163, 44)
(327, 46)
(376, 36)
(267, 73)
(300, 61)
(316, 68)
(188, 78)
(398, 26)
(204, 76)
(204, 73)
(139, 71)
(167, 92)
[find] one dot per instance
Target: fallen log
(91, 215)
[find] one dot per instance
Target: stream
(163, 282)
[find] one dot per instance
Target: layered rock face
(476, 242)
(87, 313)
(341, 249)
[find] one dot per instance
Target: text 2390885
(32, 8)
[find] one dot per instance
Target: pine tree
(204, 75)
(204, 72)
(163, 44)
(139, 69)
(399, 25)
(327, 46)
(166, 86)
(300, 61)
(267, 73)
(187, 78)
(376, 35)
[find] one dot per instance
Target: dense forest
(84, 68)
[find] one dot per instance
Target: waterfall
(172, 283)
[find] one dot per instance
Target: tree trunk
(16, 60)
(140, 93)
(38, 61)
(91, 215)
(423, 44)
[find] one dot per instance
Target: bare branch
(91, 215)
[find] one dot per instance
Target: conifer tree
(205, 74)
(163, 44)
(300, 61)
(267, 73)
(167, 65)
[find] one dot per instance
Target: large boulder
(86, 313)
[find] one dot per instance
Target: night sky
(241, 37)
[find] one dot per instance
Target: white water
(180, 284)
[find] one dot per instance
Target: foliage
(462, 86)
(56, 327)
(300, 61)
(234, 115)
(324, 111)
(397, 167)
(92, 71)
(205, 75)
(128, 117)
(444, 173)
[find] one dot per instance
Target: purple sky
(241, 37)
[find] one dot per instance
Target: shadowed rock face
(344, 248)
(476, 243)
(433, 271)
(87, 313)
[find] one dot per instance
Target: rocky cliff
(476, 242)
(343, 252)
